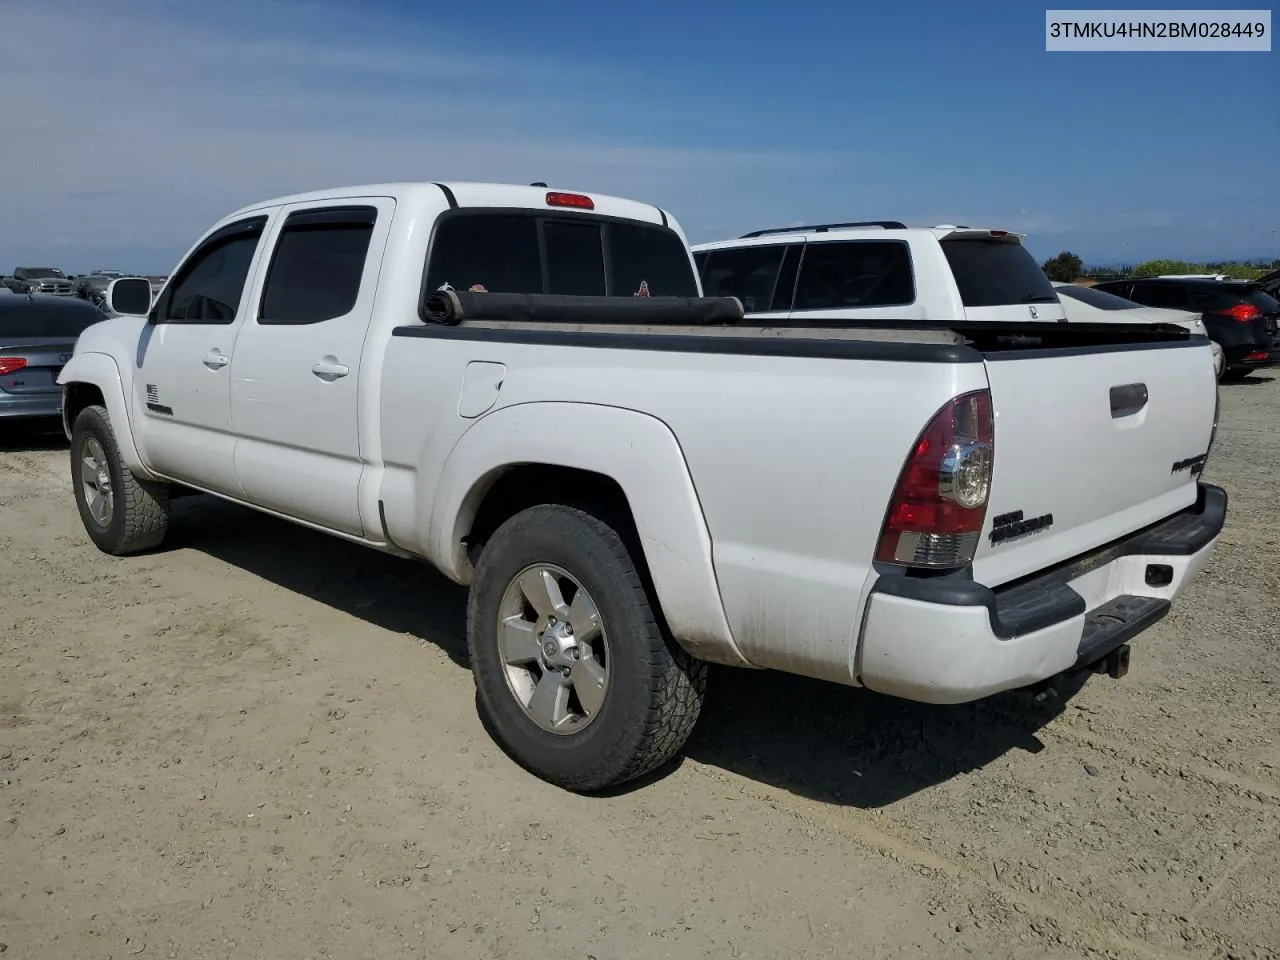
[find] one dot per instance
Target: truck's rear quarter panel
(793, 459)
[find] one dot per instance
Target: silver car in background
(37, 336)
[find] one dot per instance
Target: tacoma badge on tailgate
(1194, 464)
(1010, 525)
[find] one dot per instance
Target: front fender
(101, 370)
(641, 454)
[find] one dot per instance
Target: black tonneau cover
(451, 307)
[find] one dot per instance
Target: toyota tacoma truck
(526, 388)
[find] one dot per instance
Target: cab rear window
(996, 273)
(518, 252)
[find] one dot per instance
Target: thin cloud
(129, 127)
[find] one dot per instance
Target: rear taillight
(940, 503)
(1258, 355)
(1244, 312)
(11, 364)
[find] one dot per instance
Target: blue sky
(130, 125)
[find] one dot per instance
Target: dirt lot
(262, 743)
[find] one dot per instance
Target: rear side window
(496, 252)
(858, 273)
(317, 265)
(748, 273)
(209, 283)
(996, 273)
(651, 259)
(21, 318)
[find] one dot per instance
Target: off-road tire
(140, 515)
(655, 688)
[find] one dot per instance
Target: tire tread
(145, 505)
(676, 681)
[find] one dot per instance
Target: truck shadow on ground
(829, 742)
(852, 746)
(397, 595)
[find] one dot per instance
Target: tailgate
(1090, 445)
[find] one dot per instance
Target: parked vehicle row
(1091, 305)
(1241, 316)
(868, 454)
(90, 286)
(871, 269)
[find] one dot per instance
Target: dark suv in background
(1241, 316)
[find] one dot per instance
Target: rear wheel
(121, 513)
(575, 677)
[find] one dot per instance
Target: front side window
(857, 273)
(317, 265)
(208, 286)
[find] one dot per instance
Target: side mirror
(129, 296)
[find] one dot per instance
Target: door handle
(214, 360)
(329, 369)
(1128, 399)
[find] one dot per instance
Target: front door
(296, 374)
(181, 388)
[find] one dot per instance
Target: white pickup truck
(525, 388)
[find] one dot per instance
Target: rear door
(296, 372)
(1091, 444)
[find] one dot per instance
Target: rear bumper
(18, 407)
(950, 640)
(1241, 361)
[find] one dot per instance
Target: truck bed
(794, 437)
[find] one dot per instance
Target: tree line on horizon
(1067, 267)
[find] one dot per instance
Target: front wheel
(575, 677)
(121, 513)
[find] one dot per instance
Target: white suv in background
(880, 271)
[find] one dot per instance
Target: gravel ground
(262, 742)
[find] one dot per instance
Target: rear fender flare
(102, 371)
(642, 456)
